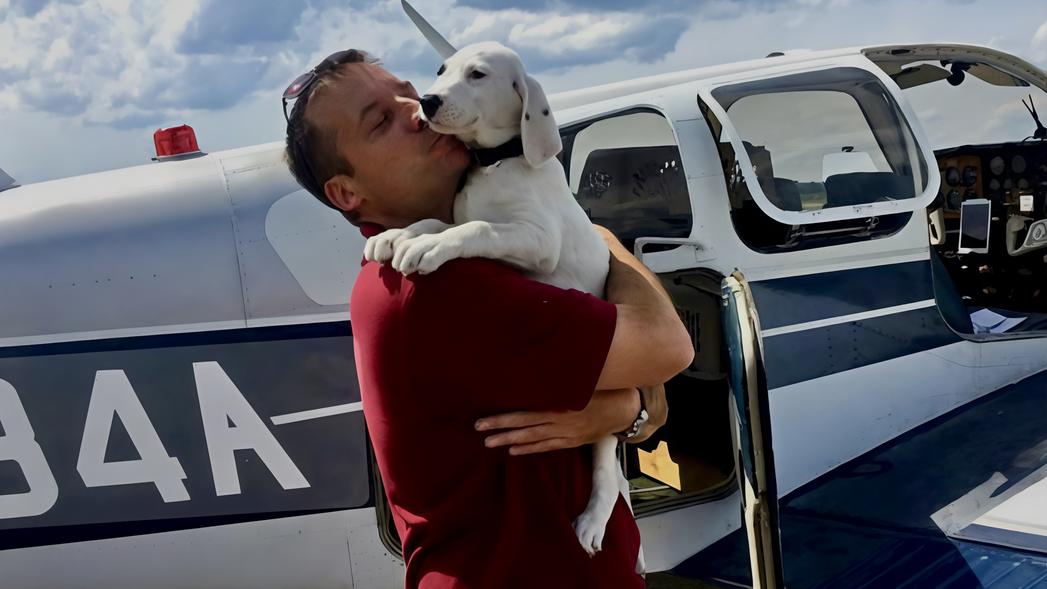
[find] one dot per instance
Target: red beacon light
(176, 143)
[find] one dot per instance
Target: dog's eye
(477, 74)
(440, 72)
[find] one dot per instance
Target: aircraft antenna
(1041, 131)
(434, 37)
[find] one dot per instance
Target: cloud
(133, 120)
(61, 102)
(1039, 42)
(123, 66)
(556, 41)
(28, 7)
(207, 82)
(224, 25)
(568, 5)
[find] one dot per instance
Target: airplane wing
(958, 502)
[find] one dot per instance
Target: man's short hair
(312, 151)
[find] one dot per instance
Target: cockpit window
(822, 141)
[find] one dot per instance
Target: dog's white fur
(520, 211)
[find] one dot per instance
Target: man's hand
(528, 432)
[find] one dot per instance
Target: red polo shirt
(435, 353)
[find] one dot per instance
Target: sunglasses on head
(304, 82)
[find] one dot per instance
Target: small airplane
(866, 407)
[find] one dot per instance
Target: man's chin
(449, 145)
(464, 130)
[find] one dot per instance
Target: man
(447, 358)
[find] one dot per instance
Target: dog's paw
(590, 533)
(379, 248)
(424, 253)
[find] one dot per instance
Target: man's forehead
(354, 87)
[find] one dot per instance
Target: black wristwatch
(641, 418)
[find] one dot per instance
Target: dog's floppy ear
(538, 132)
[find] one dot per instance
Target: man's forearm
(623, 408)
(650, 343)
(629, 282)
(657, 412)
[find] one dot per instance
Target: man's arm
(608, 412)
(650, 343)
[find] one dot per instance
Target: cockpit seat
(859, 188)
(957, 313)
(948, 299)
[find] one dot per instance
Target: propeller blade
(435, 39)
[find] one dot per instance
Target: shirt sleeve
(509, 343)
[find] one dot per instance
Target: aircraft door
(752, 433)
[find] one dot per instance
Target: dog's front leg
(592, 523)
(379, 248)
(526, 245)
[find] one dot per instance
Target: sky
(83, 84)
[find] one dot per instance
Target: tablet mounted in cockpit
(974, 226)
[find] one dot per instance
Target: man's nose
(430, 104)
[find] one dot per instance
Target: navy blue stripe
(813, 353)
(799, 299)
(196, 338)
(1001, 537)
(277, 370)
(28, 537)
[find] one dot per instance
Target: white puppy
(519, 210)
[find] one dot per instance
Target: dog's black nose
(430, 104)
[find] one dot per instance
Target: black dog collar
(492, 155)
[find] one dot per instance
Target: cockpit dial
(997, 166)
(970, 175)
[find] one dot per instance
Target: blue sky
(83, 84)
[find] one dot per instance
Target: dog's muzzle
(430, 104)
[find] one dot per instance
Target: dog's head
(483, 96)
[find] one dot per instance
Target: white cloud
(94, 78)
(1039, 42)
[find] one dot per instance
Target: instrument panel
(1002, 173)
(1010, 272)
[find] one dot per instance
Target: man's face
(403, 171)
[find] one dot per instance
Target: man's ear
(341, 192)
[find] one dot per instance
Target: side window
(806, 142)
(824, 140)
(815, 159)
(626, 173)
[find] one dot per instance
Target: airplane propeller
(435, 39)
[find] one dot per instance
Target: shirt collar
(370, 229)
